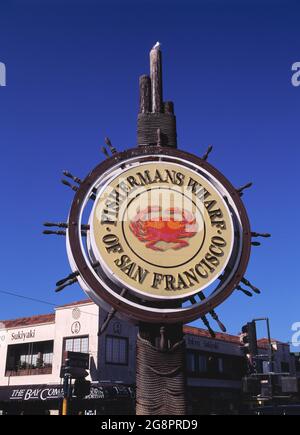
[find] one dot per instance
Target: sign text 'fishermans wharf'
(162, 230)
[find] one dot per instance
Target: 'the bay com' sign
(55, 392)
(42, 393)
(161, 230)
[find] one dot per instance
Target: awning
(54, 392)
(30, 393)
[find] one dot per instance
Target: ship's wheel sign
(161, 229)
(157, 234)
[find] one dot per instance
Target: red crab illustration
(171, 226)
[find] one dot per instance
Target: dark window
(202, 363)
(116, 350)
(29, 359)
(228, 365)
(191, 362)
(220, 365)
(196, 363)
(77, 344)
(214, 366)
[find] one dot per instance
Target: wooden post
(169, 107)
(161, 377)
(154, 113)
(156, 78)
(145, 94)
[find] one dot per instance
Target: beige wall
(69, 322)
(41, 333)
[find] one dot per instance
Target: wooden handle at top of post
(168, 107)
(145, 94)
(156, 78)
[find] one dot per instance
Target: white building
(32, 353)
(31, 349)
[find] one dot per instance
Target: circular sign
(75, 328)
(161, 230)
(168, 237)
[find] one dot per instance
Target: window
(196, 363)
(221, 365)
(202, 361)
(116, 350)
(266, 367)
(29, 358)
(48, 357)
(191, 362)
(78, 344)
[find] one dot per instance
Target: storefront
(32, 351)
(110, 399)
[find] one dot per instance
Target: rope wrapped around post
(160, 378)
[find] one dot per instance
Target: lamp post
(271, 352)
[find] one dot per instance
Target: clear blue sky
(72, 79)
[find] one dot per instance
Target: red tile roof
(38, 319)
(264, 342)
(71, 304)
(205, 334)
(28, 321)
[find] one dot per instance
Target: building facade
(32, 353)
